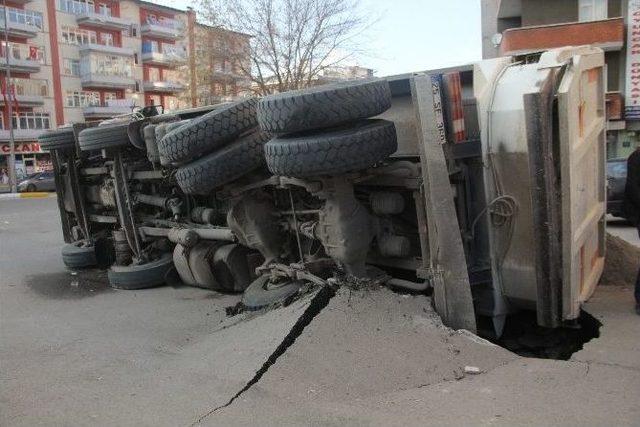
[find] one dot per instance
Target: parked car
(616, 180)
(41, 181)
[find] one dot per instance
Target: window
(154, 75)
(592, 10)
(31, 120)
(77, 7)
(107, 65)
(149, 46)
(73, 35)
(82, 99)
(106, 39)
(71, 67)
(110, 96)
(20, 16)
(104, 9)
(153, 100)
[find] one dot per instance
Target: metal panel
(582, 155)
(448, 264)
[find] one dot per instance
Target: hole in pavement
(316, 305)
(69, 285)
(524, 337)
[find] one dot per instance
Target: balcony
(163, 86)
(18, 63)
(607, 34)
(22, 23)
(112, 50)
(115, 81)
(169, 29)
(112, 108)
(167, 58)
(27, 92)
(21, 134)
(103, 21)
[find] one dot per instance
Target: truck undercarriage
(467, 183)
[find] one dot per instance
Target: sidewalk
(33, 195)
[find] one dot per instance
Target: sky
(414, 35)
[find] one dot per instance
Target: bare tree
(292, 41)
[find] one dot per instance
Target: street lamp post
(12, 153)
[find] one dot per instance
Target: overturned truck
(482, 184)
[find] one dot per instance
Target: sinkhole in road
(524, 337)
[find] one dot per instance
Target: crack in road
(316, 305)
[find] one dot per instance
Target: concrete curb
(34, 195)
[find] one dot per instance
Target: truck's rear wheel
(333, 152)
(57, 139)
(141, 276)
(223, 166)
(107, 136)
(262, 292)
(323, 107)
(208, 132)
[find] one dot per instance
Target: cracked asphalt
(73, 352)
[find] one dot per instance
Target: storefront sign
(21, 148)
(632, 101)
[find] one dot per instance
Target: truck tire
(336, 151)
(107, 136)
(223, 166)
(262, 293)
(57, 139)
(204, 134)
(161, 131)
(323, 107)
(141, 276)
(79, 255)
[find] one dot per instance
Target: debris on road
(473, 370)
(623, 261)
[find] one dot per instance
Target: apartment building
(524, 28)
(77, 60)
(345, 72)
(221, 64)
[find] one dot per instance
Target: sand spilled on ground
(622, 262)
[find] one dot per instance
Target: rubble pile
(622, 263)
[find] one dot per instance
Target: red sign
(21, 148)
(33, 52)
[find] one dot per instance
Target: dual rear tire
(325, 131)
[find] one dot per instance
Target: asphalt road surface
(74, 352)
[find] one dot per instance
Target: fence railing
(27, 87)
